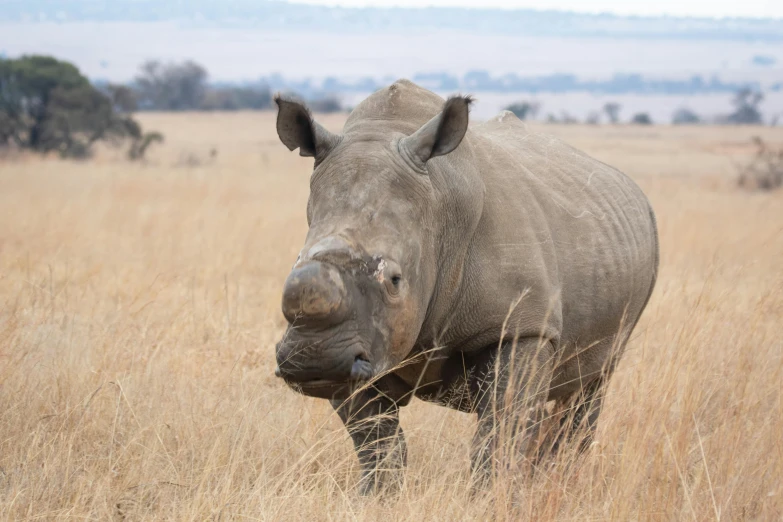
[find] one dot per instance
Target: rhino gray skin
(489, 269)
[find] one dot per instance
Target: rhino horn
(314, 291)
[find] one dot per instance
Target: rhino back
(574, 237)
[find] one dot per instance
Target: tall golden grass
(140, 304)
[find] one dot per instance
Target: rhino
(487, 268)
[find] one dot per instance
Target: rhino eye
(391, 277)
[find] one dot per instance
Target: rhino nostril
(361, 370)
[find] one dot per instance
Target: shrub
(765, 171)
(612, 110)
(140, 145)
(685, 117)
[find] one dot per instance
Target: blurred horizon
(503, 51)
(149, 9)
(670, 8)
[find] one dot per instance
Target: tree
(171, 87)
(26, 87)
(48, 105)
(641, 118)
(123, 98)
(746, 107)
(612, 110)
(77, 118)
(524, 109)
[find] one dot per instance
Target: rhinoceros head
(358, 293)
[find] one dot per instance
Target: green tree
(26, 87)
(48, 105)
(123, 98)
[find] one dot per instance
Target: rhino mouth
(361, 373)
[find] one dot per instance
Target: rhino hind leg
(586, 412)
(373, 422)
(510, 392)
(578, 420)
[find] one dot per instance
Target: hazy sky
(708, 8)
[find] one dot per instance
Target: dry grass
(139, 306)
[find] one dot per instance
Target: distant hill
(284, 15)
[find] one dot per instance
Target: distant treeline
(49, 106)
(483, 81)
(183, 87)
(186, 86)
(746, 111)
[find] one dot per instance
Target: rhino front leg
(511, 392)
(373, 422)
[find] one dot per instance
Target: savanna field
(140, 306)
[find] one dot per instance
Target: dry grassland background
(140, 304)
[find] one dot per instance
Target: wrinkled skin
(488, 269)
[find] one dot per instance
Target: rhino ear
(442, 134)
(297, 129)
